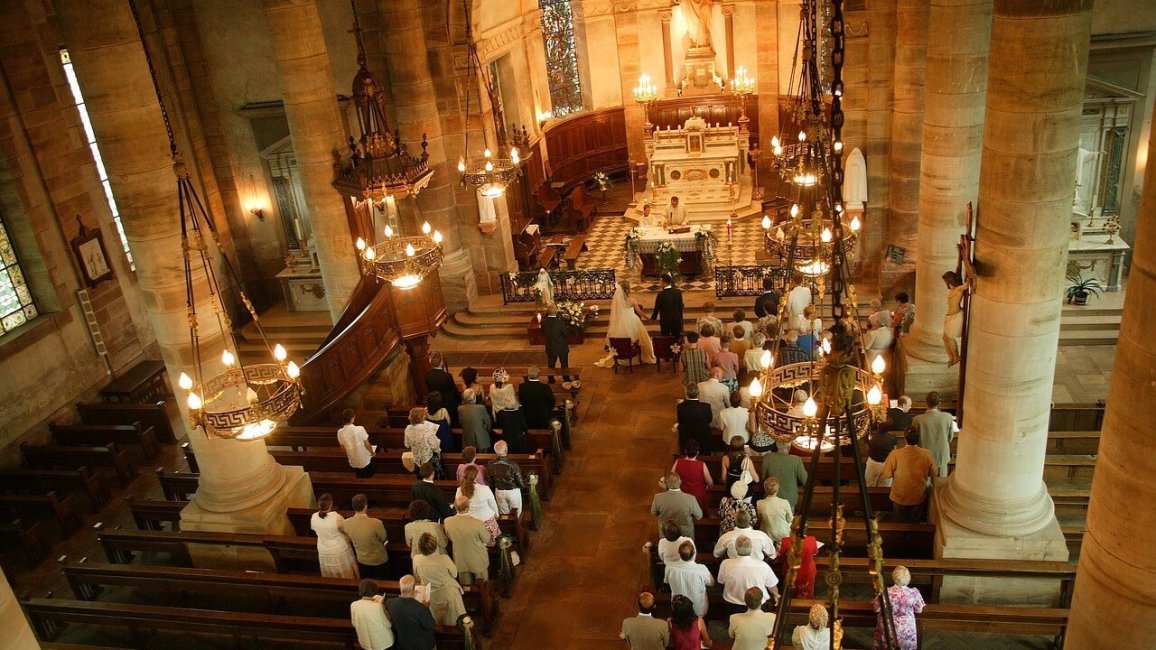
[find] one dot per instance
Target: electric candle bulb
(360, 244)
(194, 402)
(461, 165)
(766, 222)
(810, 408)
(227, 358)
(878, 365)
(756, 388)
(766, 360)
(292, 370)
(389, 231)
(185, 381)
(437, 237)
(794, 209)
(409, 250)
(489, 166)
(874, 396)
(370, 254)
(487, 153)
(775, 142)
(279, 352)
(826, 346)
(425, 227)
(825, 235)
(855, 224)
(802, 136)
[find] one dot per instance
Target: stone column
(906, 141)
(996, 505)
(17, 634)
(416, 101)
(630, 68)
(315, 123)
(960, 31)
(241, 487)
(1115, 601)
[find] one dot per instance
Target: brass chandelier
(491, 173)
(844, 394)
(243, 401)
(377, 174)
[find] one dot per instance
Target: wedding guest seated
(762, 546)
(537, 400)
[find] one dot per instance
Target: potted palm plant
(1079, 288)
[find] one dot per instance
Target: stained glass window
(90, 136)
(561, 57)
(16, 306)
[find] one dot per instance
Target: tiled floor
(1082, 373)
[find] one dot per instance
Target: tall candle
(297, 228)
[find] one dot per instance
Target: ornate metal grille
(582, 284)
(16, 306)
(561, 57)
(730, 281)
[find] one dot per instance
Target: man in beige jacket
(468, 537)
(368, 537)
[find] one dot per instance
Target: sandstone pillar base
(17, 633)
(291, 489)
(459, 287)
(922, 377)
(955, 541)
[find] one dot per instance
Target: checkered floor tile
(606, 241)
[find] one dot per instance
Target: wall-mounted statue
(697, 14)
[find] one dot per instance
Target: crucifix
(965, 269)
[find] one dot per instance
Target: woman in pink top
(468, 456)
(693, 472)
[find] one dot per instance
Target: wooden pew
(30, 537)
(95, 434)
(1077, 417)
(580, 207)
(396, 491)
(389, 463)
(149, 415)
(899, 539)
(50, 616)
(67, 480)
(72, 457)
(177, 486)
(143, 383)
(574, 250)
(33, 506)
(150, 514)
(1060, 469)
(1075, 443)
(329, 597)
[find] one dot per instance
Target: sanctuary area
(574, 324)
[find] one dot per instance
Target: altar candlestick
(297, 228)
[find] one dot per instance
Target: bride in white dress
(626, 323)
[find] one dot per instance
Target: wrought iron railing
(579, 284)
(730, 281)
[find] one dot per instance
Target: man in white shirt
(715, 393)
(676, 214)
(762, 548)
(799, 297)
(752, 628)
(689, 578)
(355, 441)
(744, 572)
(374, 631)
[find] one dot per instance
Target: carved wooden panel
(587, 143)
(715, 109)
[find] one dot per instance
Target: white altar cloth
(651, 237)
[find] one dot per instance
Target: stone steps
(1099, 325)
(300, 332)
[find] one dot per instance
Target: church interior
(891, 243)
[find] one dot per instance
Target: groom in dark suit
(557, 349)
(668, 308)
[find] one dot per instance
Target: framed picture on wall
(90, 254)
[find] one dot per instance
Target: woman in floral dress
(906, 602)
(730, 507)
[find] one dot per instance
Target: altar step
(1095, 325)
(300, 332)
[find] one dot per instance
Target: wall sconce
(254, 205)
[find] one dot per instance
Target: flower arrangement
(707, 243)
(602, 180)
(631, 248)
(666, 259)
(575, 314)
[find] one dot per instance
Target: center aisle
(586, 563)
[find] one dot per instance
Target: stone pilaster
(906, 141)
(876, 145)
(1115, 601)
(311, 109)
(241, 487)
(995, 504)
(949, 174)
(17, 634)
(626, 29)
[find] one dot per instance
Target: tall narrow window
(16, 306)
(561, 57)
(89, 135)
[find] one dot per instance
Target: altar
(705, 166)
(691, 243)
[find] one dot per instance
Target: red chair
(625, 349)
(663, 351)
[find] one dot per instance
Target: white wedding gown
(625, 323)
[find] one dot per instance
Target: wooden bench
(324, 596)
(150, 514)
(143, 383)
(122, 434)
(30, 537)
(150, 415)
(177, 486)
(574, 250)
(50, 616)
(1063, 469)
(61, 480)
(580, 207)
(73, 457)
(899, 539)
(546, 257)
(63, 509)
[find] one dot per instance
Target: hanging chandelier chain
(153, 76)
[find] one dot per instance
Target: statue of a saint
(697, 14)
